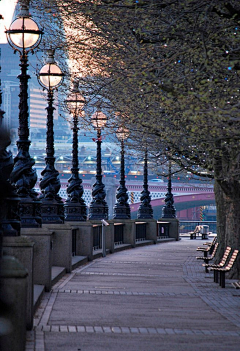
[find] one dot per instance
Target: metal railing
(118, 233)
(141, 231)
(97, 237)
(189, 226)
(163, 230)
(74, 242)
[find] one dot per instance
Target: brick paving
(152, 298)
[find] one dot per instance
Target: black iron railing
(74, 242)
(97, 237)
(163, 230)
(189, 226)
(118, 233)
(141, 230)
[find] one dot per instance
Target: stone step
(38, 291)
(79, 261)
(144, 242)
(57, 273)
(165, 240)
(99, 253)
(122, 247)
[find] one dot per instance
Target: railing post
(104, 224)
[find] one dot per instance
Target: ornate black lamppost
(50, 77)
(75, 208)
(1, 111)
(169, 210)
(145, 208)
(122, 208)
(24, 36)
(9, 202)
(98, 207)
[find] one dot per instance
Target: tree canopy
(171, 67)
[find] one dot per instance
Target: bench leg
(211, 250)
(222, 279)
(215, 275)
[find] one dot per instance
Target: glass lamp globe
(75, 102)
(23, 33)
(122, 133)
(99, 120)
(50, 75)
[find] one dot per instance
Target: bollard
(104, 223)
(13, 292)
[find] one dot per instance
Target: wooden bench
(209, 258)
(225, 269)
(199, 230)
(209, 249)
(236, 285)
(221, 263)
(204, 235)
(195, 232)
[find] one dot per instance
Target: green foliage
(171, 66)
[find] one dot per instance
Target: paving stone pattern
(152, 298)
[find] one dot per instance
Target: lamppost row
(98, 208)
(122, 208)
(50, 77)
(169, 210)
(75, 207)
(145, 209)
(24, 36)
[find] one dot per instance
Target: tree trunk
(228, 219)
(232, 237)
(221, 218)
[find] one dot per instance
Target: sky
(6, 10)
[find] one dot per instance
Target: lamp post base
(168, 212)
(145, 212)
(122, 212)
(75, 212)
(52, 211)
(9, 216)
(98, 211)
(30, 213)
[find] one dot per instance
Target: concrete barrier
(13, 292)
(151, 231)
(84, 238)
(62, 245)
(21, 247)
(43, 254)
(173, 227)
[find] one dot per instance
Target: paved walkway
(152, 298)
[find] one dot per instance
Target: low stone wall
(14, 296)
(22, 247)
(43, 255)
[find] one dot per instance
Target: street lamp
(1, 111)
(75, 208)
(9, 202)
(24, 36)
(169, 211)
(98, 207)
(50, 77)
(145, 208)
(122, 208)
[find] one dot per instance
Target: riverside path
(151, 298)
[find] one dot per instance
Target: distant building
(37, 99)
